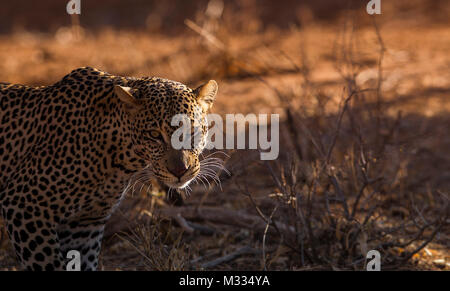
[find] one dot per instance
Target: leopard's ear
(126, 95)
(206, 94)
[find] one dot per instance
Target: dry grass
(364, 143)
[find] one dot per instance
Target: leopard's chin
(179, 184)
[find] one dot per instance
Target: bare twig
(265, 235)
(183, 223)
(206, 34)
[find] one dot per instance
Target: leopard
(69, 152)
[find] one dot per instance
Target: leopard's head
(150, 105)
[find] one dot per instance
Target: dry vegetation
(364, 160)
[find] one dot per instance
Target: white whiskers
(208, 176)
(142, 177)
(210, 166)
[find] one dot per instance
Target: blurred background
(168, 17)
(364, 103)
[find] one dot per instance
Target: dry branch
(223, 216)
(232, 256)
(183, 223)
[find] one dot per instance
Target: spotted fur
(69, 151)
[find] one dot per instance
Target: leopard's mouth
(180, 183)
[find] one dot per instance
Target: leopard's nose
(177, 163)
(179, 170)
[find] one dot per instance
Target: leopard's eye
(155, 134)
